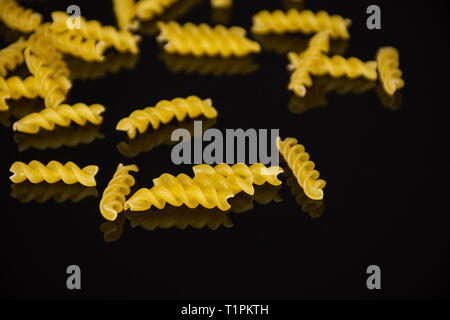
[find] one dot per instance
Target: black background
(382, 205)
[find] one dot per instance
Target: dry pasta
(118, 188)
(390, 74)
(221, 4)
(61, 116)
(147, 9)
(54, 171)
(203, 40)
(11, 56)
(165, 111)
(302, 167)
(18, 18)
(300, 21)
(125, 12)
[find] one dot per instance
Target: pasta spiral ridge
(300, 21)
(122, 40)
(302, 167)
(164, 111)
(125, 12)
(200, 40)
(62, 116)
(59, 192)
(147, 9)
(177, 191)
(390, 74)
(53, 172)
(16, 17)
(11, 56)
(117, 189)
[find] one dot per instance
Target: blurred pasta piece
(18, 18)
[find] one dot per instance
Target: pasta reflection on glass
(316, 95)
(208, 65)
(150, 140)
(314, 208)
(183, 217)
(296, 4)
(60, 137)
(392, 102)
(221, 16)
(42, 192)
(113, 63)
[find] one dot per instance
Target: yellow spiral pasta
(239, 177)
(303, 169)
(118, 188)
(125, 12)
(203, 40)
(61, 116)
(122, 40)
(60, 137)
(165, 111)
(304, 21)
(18, 18)
(177, 191)
(53, 172)
(42, 192)
(221, 4)
(147, 9)
(390, 74)
(214, 66)
(11, 56)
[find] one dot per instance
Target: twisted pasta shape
(300, 21)
(62, 116)
(239, 177)
(42, 192)
(303, 169)
(177, 191)
(117, 189)
(11, 56)
(53, 172)
(147, 9)
(74, 44)
(221, 4)
(122, 40)
(208, 66)
(60, 137)
(164, 111)
(16, 17)
(204, 40)
(390, 74)
(150, 140)
(125, 12)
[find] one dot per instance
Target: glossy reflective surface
(374, 151)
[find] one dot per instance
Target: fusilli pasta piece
(164, 111)
(125, 12)
(122, 40)
(177, 191)
(147, 9)
(221, 4)
(118, 188)
(53, 172)
(11, 56)
(300, 21)
(303, 169)
(62, 116)
(203, 40)
(390, 74)
(18, 18)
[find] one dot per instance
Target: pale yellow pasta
(204, 40)
(302, 167)
(125, 12)
(42, 192)
(177, 191)
(165, 111)
(221, 4)
(54, 171)
(121, 40)
(388, 68)
(11, 56)
(117, 189)
(61, 116)
(304, 21)
(18, 18)
(148, 9)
